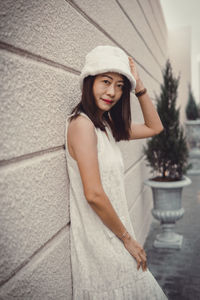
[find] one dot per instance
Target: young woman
(107, 261)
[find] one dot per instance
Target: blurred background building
(183, 16)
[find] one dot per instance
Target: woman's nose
(111, 90)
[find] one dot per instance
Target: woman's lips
(107, 101)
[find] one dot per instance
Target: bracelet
(140, 93)
(124, 234)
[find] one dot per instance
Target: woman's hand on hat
(133, 68)
(139, 83)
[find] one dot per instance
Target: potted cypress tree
(198, 107)
(193, 133)
(167, 155)
(191, 108)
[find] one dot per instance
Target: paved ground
(178, 271)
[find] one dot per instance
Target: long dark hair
(118, 117)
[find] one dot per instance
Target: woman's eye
(120, 86)
(106, 81)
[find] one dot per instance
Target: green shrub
(191, 107)
(167, 152)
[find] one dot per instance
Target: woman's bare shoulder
(81, 122)
(81, 128)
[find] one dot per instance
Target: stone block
(46, 276)
(34, 207)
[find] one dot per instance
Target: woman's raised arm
(152, 123)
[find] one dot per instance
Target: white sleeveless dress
(102, 268)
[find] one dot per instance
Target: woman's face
(107, 90)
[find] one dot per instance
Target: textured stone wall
(42, 50)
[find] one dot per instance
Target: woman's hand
(139, 84)
(136, 250)
(133, 68)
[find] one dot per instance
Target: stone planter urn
(167, 199)
(193, 138)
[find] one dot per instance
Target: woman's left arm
(152, 123)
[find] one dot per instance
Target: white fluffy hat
(104, 59)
